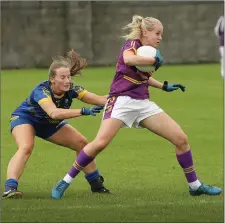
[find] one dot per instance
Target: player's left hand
(171, 87)
(92, 111)
(97, 108)
(158, 60)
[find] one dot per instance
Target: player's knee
(26, 149)
(182, 141)
(83, 142)
(100, 144)
(79, 144)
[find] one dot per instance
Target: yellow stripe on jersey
(44, 100)
(81, 94)
(14, 118)
(133, 80)
(132, 47)
(133, 44)
(46, 92)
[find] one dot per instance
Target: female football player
(219, 31)
(128, 105)
(42, 114)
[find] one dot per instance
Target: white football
(146, 51)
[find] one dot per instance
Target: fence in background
(32, 32)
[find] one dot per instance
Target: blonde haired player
(128, 105)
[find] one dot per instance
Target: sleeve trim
(81, 94)
(132, 47)
(44, 100)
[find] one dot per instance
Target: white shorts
(130, 111)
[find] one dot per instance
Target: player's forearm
(154, 83)
(60, 113)
(93, 99)
(134, 60)
(102, 100)
(98, 100)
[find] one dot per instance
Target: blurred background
(34, 31)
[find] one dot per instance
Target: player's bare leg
(69, 137)
(24, 137)
(106, 133)
(164, 126)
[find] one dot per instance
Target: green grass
(139, 168)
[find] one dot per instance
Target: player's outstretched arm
(94, 99)
(165, 86)
(60, 113)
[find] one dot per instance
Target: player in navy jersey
(128, 105)
(219, 31)
(42, 114)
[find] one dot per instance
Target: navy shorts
(43, 131)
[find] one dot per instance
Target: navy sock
(11, 184)
(91, 176)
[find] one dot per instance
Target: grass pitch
(139, 167)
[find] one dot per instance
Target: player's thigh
(107, 131)
(24, 136)
(69, 137)
(164, 126)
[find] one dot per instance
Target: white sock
(68, 179)
(195, 185)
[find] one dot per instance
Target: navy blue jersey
(30, 108)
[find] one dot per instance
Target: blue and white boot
(59, 189)
(205, 189)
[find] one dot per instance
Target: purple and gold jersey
(129, 81)
(30, 108)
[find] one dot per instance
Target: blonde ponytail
(137, 25)
(134, 28)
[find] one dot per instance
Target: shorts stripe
(109, 107)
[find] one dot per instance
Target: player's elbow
(130, 60)
(127, 61)
(54, 114)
